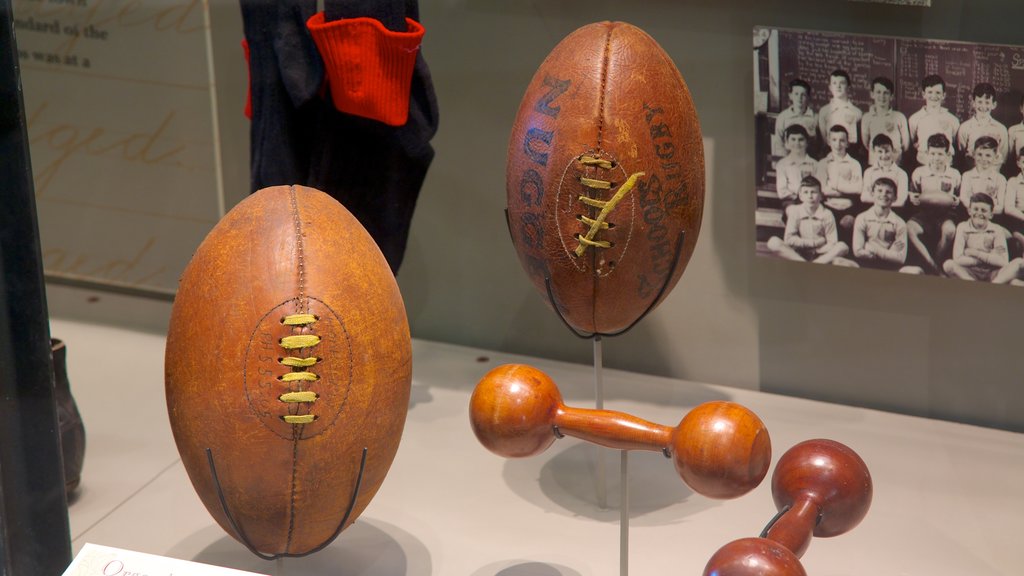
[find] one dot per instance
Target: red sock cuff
(248, 93)
(369, 68)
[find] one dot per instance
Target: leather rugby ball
(605, 177)
(288, 355)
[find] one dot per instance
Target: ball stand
(601, 488)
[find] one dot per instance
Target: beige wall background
(924, 346)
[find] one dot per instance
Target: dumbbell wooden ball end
(512, 411)
(754, 557)
(720, 449)
(829, 476)
(824, 489)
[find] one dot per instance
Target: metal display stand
(35, 537)
(601, 484)
(602, 497)
(601, 465)
(624, 514)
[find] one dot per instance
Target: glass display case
(135, 121)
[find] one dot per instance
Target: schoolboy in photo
(979, 249)
(1015, 136)
(933, 118)
(794, 167)
(881, 119)
(840, 173)
(885, 166)
(840, 111)
(798, 112)
(1013, 207)
(985, 177)
(810, 234)
(933, 196)
(879, 235)
(841, 180)
(982, 124)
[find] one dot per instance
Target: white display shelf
(948, 498)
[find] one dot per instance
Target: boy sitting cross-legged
(979, 250)
(879, 235)
(810, 234)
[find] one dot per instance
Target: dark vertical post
(34, 532)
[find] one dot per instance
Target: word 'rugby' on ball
(605, 177)
(287, 369)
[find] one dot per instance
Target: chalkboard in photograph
(1003, 67)
(962, 66)
(953, 61)
(812, 56)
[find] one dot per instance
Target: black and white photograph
(924, 3)
(897, 154)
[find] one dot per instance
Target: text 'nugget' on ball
(605, 177)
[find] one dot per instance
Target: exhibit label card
(118, 99)
(96, 560)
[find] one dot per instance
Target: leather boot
(72, 431)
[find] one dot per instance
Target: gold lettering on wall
(118, 105)
(65, 140)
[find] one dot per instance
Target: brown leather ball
(288, 353)
(605, 175)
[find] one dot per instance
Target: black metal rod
(35, 537)
(764, 533)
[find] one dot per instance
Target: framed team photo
(897, 154)
(924, 3)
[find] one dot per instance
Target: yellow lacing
(595, 183)
(592, 222)
(304, 396)
(299, 376)
(592, 201)
(594, 161)
(584, 242)
(299, 319)
(606, 207)
(304, 419)
(292, 343)
(293, 362)
(300, 341)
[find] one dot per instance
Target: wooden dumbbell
(721, 449)
(821, 488)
